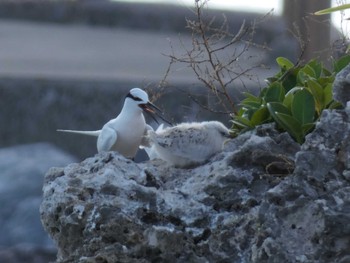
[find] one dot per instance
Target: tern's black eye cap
(129, 95)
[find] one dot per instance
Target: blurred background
(69, 64)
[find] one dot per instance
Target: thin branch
(206, 58)
(195, 100)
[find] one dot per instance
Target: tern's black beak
(150, 107)
(153, 111)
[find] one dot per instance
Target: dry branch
(206, 58)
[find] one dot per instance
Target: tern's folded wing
(106, 139)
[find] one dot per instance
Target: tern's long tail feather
(91, 133)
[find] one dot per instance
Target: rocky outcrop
(264, 199)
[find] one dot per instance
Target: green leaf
(341, 63)
(271, 80)
(284, 63)
(326, 72)
(306, 128)
(323, 81)
(288, 100)
(317, 67)
(291, 125)
(303, 106)
(308, 70)
(260, 116)
(251, 96)
(302, 77)
(240, 112)
(328, 94)
(334, 105)
(248, 112)
(294, 90)
(305, 74)
(285, 120)
(318, 93)
(277, 107)
(251, 104)
(332, 9)
(241, 122)
(274, 107)
(289, 79)
(289, 97)
(275, 93)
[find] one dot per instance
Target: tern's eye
(133, 97)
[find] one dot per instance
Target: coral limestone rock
(341, 86)
(260, 200)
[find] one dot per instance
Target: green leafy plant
(333, 9)
(294, 98)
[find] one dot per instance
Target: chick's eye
(224, 134)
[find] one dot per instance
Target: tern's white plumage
(188, 144)
(124, 133)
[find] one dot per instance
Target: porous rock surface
(341, 86)
(264, 199)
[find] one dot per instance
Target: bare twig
(211, 66)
